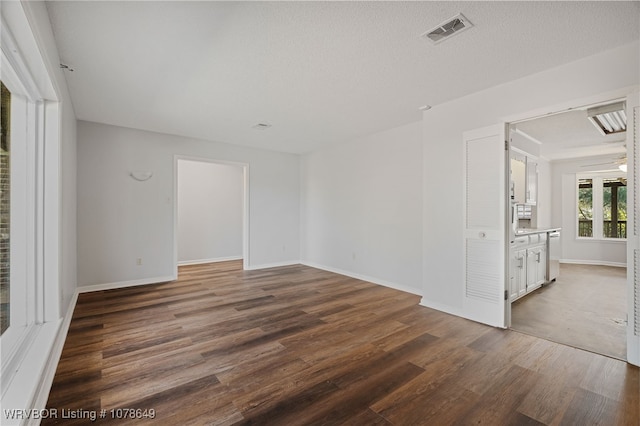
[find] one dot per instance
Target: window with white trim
(21, 289)
(601, 207)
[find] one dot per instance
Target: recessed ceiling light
(261, 126)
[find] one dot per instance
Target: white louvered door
(485, 225)
(633, 228)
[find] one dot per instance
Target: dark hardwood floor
(298, 346)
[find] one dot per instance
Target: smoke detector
(448, 28)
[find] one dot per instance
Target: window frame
(617, 210)
(597, 180)
(28, 211)
(577, 215)
(22, 286)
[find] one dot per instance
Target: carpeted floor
(585, 308)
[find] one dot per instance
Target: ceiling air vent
(261, 126)
(450, 27)
(608, 119)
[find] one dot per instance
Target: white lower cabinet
(536, 267)
(518, 281)
(527, 266)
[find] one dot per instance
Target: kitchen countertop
(530, 231)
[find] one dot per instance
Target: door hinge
(506, 295)
(506, 145)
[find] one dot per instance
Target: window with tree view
(602, 206)
(614, 208)
(585, 208)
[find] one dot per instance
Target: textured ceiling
(321, 73)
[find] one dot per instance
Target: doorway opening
(567, 180)
(211, 211)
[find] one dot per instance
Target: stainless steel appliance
(553, 261)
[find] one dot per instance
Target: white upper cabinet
(531, 196)
(518, 178)
(524, 178)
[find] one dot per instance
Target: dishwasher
(553, 261)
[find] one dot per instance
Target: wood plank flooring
(300, 346)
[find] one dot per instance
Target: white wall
(362, 208)
(599, 77)
(544, 205)
(68, 206)
(121, 219)
(210, 211)
(564, 214)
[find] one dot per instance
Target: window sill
(23, 387)
(601, 240)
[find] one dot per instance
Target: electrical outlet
(139, 261)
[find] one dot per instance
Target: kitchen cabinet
(518, 178)
(536, 267)
(518, 278)
(542, 265)
(524, 178)
(527, 265)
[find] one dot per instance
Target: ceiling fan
(620, 162)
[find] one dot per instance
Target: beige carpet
(585, 308)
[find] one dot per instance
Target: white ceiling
(321, 73)
(571, 135)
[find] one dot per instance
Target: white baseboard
(442, 308)
(453, 311)
(367, 278)
(123, 284)
(272, 265)
(214, 260)
(593, 262)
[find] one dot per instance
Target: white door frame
(245, 205)
(633, 231)
(633, 341)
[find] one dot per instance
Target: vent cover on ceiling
(261, 126)
(609, 119)
(450, 27)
